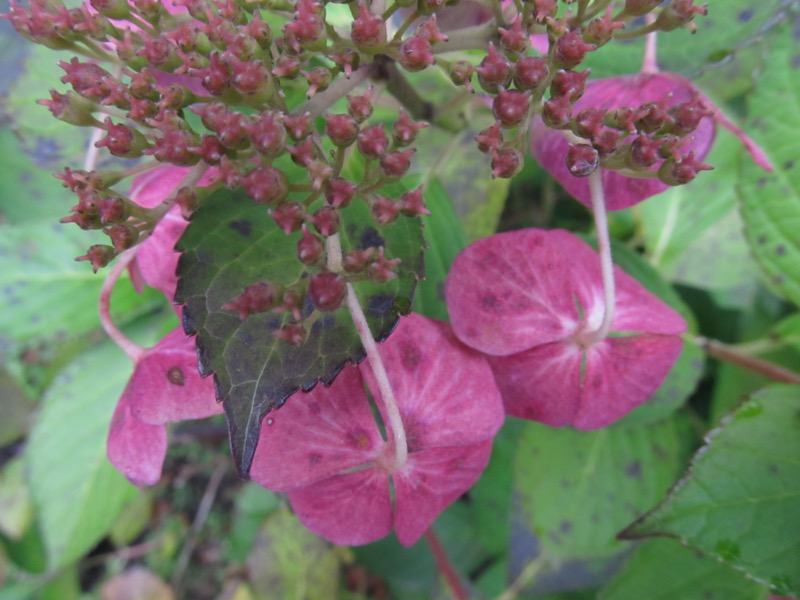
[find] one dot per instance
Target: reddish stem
(756, 365)
(445, 566)
(131, 348)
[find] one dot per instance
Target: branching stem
(734, 356)
(606, 261)
(131, 348)
(333, 247)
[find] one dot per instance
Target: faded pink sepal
(317, 435)
(541, 384)
(549, 146)
(350, 509)
(544, 384)
(437, 380)
(156, 260)
(432, 480)
(136, 449)
(166, 386)
(512, 291)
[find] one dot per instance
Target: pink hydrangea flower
(165, 388)
(550, 146)
(529, 299)
(326, 452)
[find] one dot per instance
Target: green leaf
(48, 295)
(577, 489)
(771, 202)
(232, 243)
(76, 490)
(288, 561)
(16, 510)
(682, 573)
(740, 501)
(730, 26)
(444, 238)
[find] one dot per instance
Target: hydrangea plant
(272, 168)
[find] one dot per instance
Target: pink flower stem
(606, 261)
(445, 566)
(650, 60)
(333, 247)
(132, 349)
(730, 354)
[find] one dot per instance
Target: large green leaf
(577, 489)
(771, 202)
(730, 26)
(77, 491)
(232, 243)
(288, 561)
(741, 499)
(48, 295)
(682, 573)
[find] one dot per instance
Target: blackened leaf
(232, 243)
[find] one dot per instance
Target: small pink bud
(210, 149)
(288, 216)
(429, 29)
(514, 39)
(681, 171)
(341, 129)
(175, 147)
(490, 138)
(589, 123)
(339, 192)
(319, 171)
(347, 61)
(327, 291)
(256, 298)
(298, 127)
(113, 209)
(381, 269)
(582, 160)
(98, 255)
(530, 72)
(266, 185)
(556, 112)
(494, 70)
(645, 152)
(396, 164)
(385, 210)
(122, 236)
(310, 248)
(122, 141)
(510, 107)
(325, 220)
(679, 13)
(267, 134)
(71, 108)
(293, 334)
(404, 130)
(303, 153)
(356, 260)
(600, 31)
(360, 107)
(506, 162)
(217, 77)
(368, 31)
(571, 49)
(287, 67)
(412, 203)
(319, 78)
(416, 54)
(372, 141)
(461, 74)
(686, 116)
(569, 84)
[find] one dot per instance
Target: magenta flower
(326, 452)
(531, 300)
(663, 91)
(165, 388)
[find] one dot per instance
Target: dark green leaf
(771, 202)
(740, 501)
(682, 573)
(232, 243)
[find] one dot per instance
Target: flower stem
(333, 247)
(650, 60)
(751, 363)
(340, 87)
(524, 579)
(445, 566)
(606, 261)
(131, 348)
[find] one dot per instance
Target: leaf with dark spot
(254, 371)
